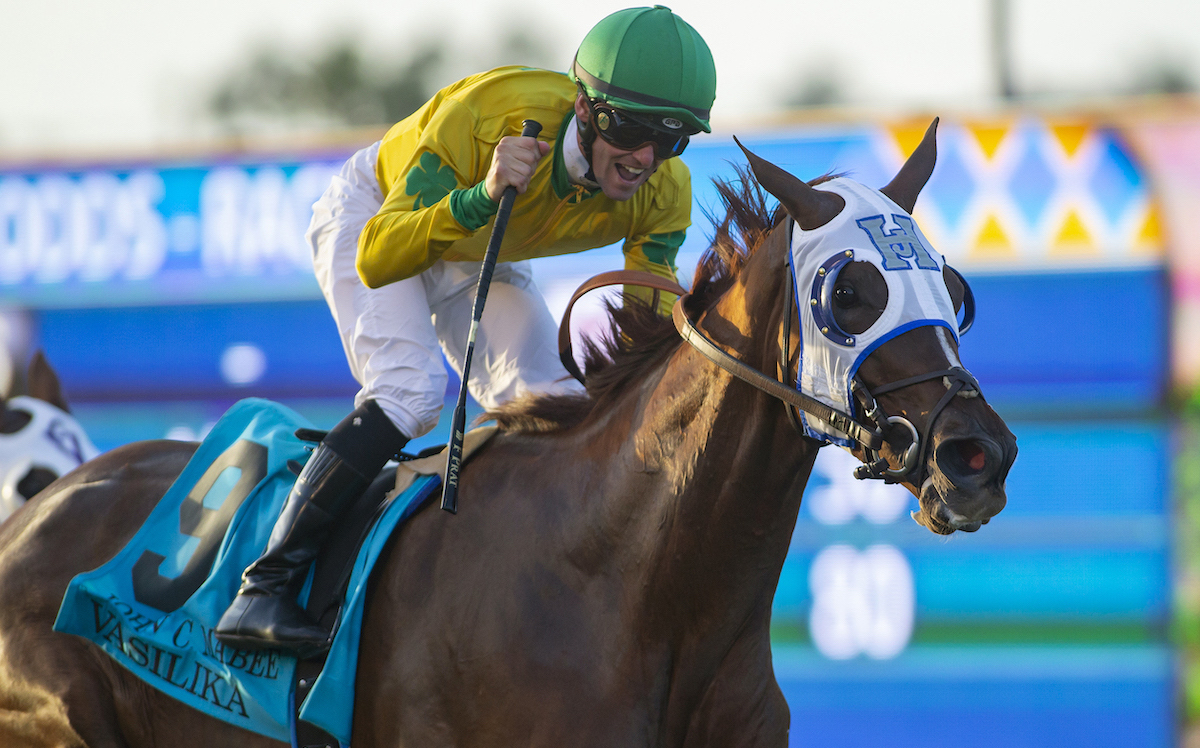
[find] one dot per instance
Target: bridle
(956, 379)
(868, 435)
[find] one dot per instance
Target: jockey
(398, 237)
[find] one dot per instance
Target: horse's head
(40, 440)
(880, 313)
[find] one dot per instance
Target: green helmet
(649, 60)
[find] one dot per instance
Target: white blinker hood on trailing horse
(51, 440)
(871, 228)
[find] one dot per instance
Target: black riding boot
(265, 613)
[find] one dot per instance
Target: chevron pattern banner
(1036, 192)
(1026, 192)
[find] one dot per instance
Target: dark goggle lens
(622, 131)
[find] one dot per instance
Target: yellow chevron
(1073, 238)
(989, 137)
(908, 136)
(1149, 239)
(992, 243)
(1070, 136)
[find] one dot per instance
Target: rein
(612, 278)
(844, 422)
(956, 379)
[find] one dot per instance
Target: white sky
(104, 75)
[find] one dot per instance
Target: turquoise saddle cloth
(152, 608)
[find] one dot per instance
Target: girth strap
(611, 278)
(841, 421)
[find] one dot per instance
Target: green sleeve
(472, 207)
(654, 253)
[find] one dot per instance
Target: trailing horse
(39, 438)
(609, 577)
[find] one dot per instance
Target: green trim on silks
(429, 180)
(472, 207)
(558, 168)
(661, 249)
(649, 60)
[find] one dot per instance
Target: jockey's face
(619, 173)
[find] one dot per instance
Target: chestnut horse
(609, 576)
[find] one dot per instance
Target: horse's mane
(638, 337)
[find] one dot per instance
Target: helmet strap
(587, 136)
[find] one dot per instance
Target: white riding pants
(394, 336)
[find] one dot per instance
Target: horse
(609, 576)
(39, 438)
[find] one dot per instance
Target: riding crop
(529, 129)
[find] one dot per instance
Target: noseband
(956, 379)
(869, 436)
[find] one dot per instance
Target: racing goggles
(623, 130)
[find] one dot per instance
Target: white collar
(573, 158)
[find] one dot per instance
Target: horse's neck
(726, 467)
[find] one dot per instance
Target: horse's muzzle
(965, 483)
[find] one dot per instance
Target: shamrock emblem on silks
(429, 181)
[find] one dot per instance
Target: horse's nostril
(972, 455)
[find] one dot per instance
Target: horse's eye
(844, 296)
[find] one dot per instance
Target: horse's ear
(810, 208)
(43, 383)
(911, 178)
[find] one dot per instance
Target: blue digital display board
(104, 253)
(1045, 628)
(1066, 344)
(159, 234)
